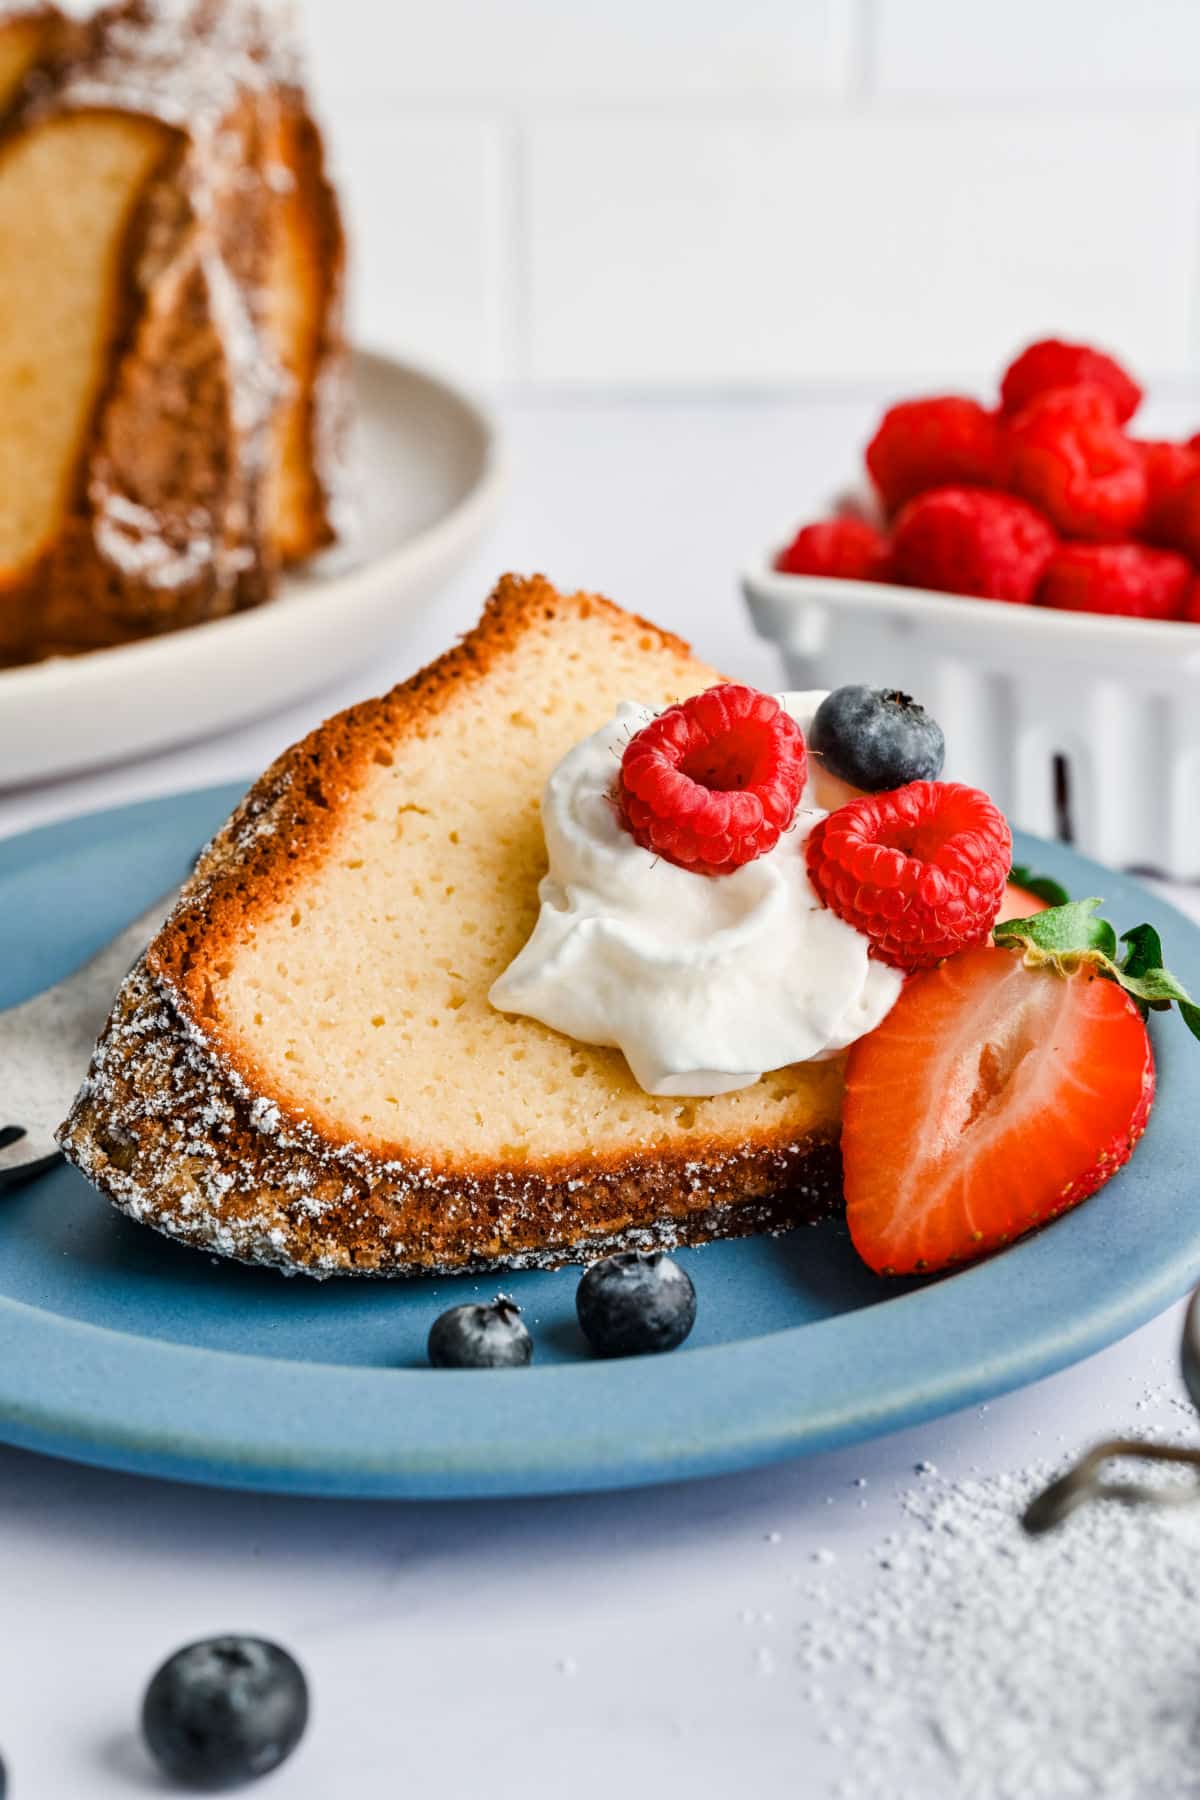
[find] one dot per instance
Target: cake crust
(179, 1129)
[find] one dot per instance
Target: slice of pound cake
(305, 1068)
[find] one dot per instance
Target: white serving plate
(426, 479)
(1081, 727)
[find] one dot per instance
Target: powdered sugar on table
(985, 1665)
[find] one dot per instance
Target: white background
(665, 192)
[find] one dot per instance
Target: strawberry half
(993, 1096)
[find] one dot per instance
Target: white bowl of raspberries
(1031, 573)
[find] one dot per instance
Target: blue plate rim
(148, 1406)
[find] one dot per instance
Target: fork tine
(46, 1041)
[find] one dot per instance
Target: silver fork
(1086, 1479)
(46, 1043)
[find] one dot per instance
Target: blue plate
(120, 1348)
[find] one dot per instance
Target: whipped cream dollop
(704, 982)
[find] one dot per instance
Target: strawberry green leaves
(1142, 972)
(1067, 935)
(1043, 887)
(1063, 931)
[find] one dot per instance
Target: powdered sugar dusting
(130, 538)
(981, 1664)
(182, 61)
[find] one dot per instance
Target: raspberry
(1125, 579)
(1173, 503)
(970, 541)
(1168, 468)
(1182, 528)
(711, 783)
(1067, 453)
(923, 444)
(1053, 364)
(921, 870)
(848, 549)
(1191, 604)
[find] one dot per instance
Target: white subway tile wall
(812, 192)
(830, 249)
(426, 203)
(1081, 49)
(536, 50)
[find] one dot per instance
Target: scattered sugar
(1011, 1668)
(1164, 1398)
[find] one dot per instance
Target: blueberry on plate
(635, 1303)
(481, 1337)
(876, 738)
(222, 1712)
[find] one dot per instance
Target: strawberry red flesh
(992, 1097)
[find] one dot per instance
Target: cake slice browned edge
(173, 1133)
(304, 295)
(30, 36)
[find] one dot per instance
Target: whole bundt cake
(172, 368)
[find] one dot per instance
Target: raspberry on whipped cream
(713, 781)
(703, 984)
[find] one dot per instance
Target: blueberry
(635, 1303)
(876, 738)
(224, 1711)
(3, 1779)
(481, 1337)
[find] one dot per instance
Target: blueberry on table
(220, 1713)
(481, 1337)
(635, 1303)
(876, 738)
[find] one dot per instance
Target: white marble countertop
(638, 1644)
